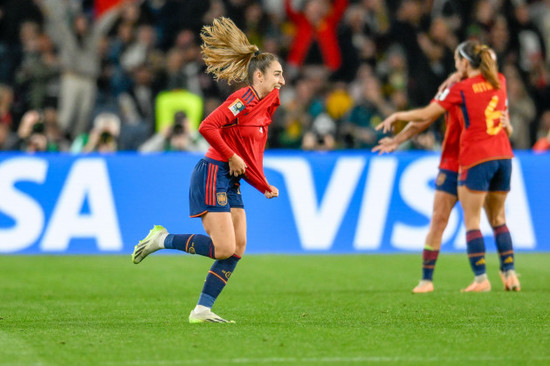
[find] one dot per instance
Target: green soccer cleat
(206, 316)
(152, 242)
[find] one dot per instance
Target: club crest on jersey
(236, 107)
(221, 198)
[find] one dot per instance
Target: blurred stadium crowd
(109, 75)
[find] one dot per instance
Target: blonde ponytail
(226, 51)
(488, 67)
(479, 56)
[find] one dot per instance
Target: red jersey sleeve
(449, 97)
(222, 116)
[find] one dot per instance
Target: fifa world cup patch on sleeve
(237, 106)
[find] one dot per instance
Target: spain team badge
(221, 198)
(440, 179)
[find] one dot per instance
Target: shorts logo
(236, 107)
(440, 179)
(222, 198)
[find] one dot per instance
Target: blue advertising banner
(337, 202)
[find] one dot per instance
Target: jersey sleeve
(222, 116)
(449, 97)
(257, 180)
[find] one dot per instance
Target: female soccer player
(484, 155)
(237, 133)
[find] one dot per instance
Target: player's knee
(497, 221)
(241, 247)
(439, 222)
(225, 251)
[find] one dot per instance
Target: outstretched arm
(430, 112)
(390, 144)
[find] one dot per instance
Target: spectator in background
(322, 134)
(31, 133)
(292, 118)
(37, 77)
(80, 62)
(54, 134)
(13, 13)
(315, 40)
(176, 137)
(539, 12)
(103, 137)
(368, 111)
(543, 136)
(499, 39)
(526, 39)
(521, 108)
(7, 137)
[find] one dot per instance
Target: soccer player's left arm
(272, 193)
(430, 112)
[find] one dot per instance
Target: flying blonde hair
(226, 51)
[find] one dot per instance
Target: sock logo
(509, 260)
(480, 262)
(191, 249)
(227, 274)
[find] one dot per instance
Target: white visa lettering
(88, 179)
(318, 225)
(375, 203)
(23, 209)
(416, 192)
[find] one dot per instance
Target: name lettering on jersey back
(482, 87)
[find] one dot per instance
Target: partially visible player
(237, 132)
(446, 183)
(484, 156)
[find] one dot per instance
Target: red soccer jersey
(451, 142)
(239, 126)
(482, 138)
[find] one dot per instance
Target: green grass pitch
(290, 310)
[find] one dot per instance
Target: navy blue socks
(476, 251)
(191, 243)
(429, 257)
(217, 279)
(505, 248)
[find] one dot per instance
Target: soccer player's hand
(387, 124)
(237, 166)
(386, 145)
(505, 123)
(454, 78)
(273, 193)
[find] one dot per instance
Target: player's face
(460, 64)
(271, 79)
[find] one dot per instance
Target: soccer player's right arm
(211, 126)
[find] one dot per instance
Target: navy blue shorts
(490, 176)
(447, 181)
(212, 189)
